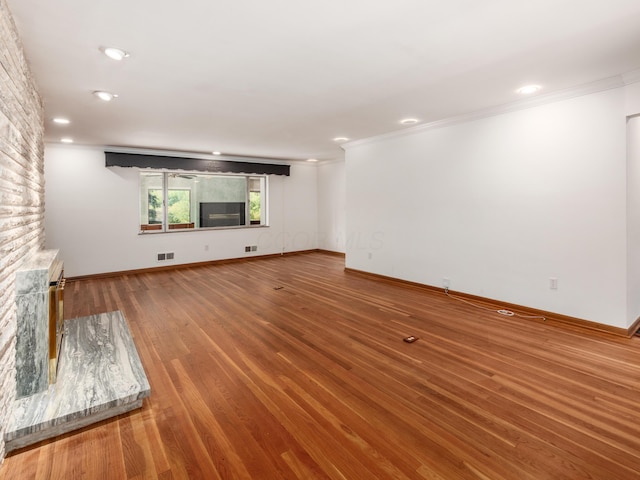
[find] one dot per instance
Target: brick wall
(21, 191)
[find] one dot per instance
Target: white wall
(497, 205)
(500, 205)
(633, 218)
(92, 217)
(332, 206)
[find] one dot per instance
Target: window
(200, 200)
(255, 200)
(179, 206)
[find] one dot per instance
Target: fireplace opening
(56, 323)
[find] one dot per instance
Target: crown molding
(333, 160)
(565, 94)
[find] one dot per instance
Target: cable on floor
(501, 311)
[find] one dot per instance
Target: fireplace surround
(70, 373)
(39, 304)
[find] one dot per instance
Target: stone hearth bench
(99, 376)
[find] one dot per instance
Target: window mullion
(247, 202)
(165, 202)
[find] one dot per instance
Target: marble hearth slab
(99, 376)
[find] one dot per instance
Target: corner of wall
(632, 99)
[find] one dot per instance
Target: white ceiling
(282, 78)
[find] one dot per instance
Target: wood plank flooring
(291, 368)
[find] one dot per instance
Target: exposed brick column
(21, 191)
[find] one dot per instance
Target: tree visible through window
(155, 206)
(179, 206)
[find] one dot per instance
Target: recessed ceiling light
(61, 121)
(217, 153)
(66, 140)
(312, 160)
(341, 139)
(114, 53)
(528, 89)
(409, 121)
(105, 96)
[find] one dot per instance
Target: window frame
(166, 227)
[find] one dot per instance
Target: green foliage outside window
(155, 206)
(179, 206)
(254, 206)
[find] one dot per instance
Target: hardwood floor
(291, 368)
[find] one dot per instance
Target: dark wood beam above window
(117, 159)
